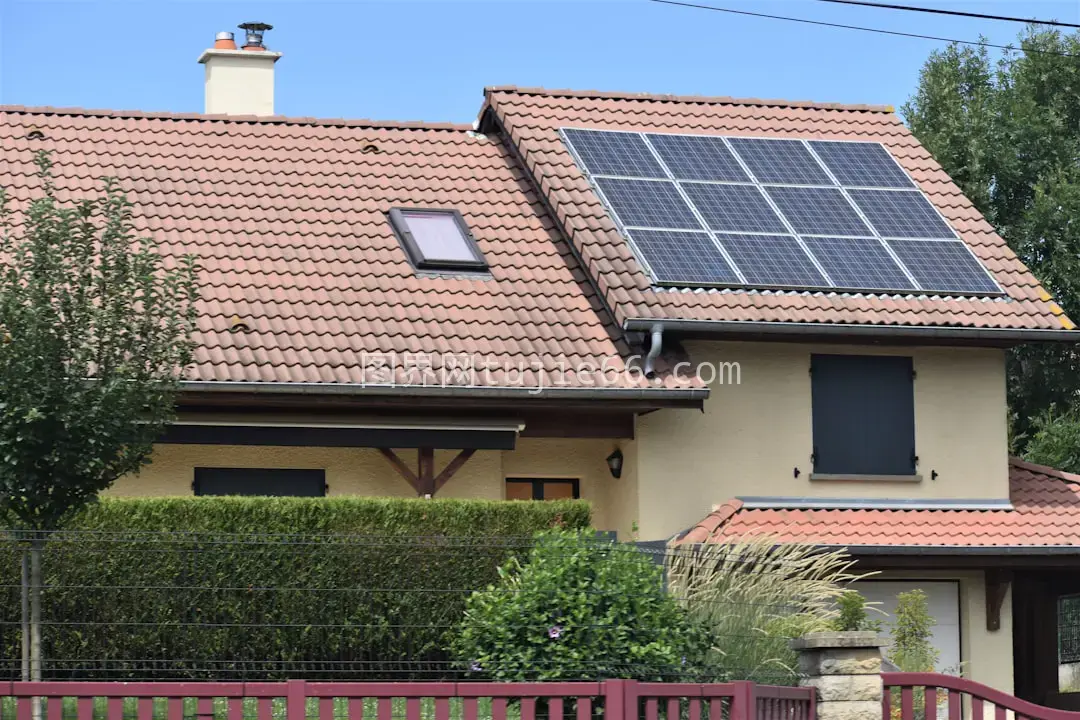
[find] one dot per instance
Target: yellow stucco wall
(364, 471)
(753, 435)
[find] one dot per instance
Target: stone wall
(845, 670)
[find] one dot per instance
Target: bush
(578, 609)
(852, 614)
(361, 588)
(753, 595)
(912, 632)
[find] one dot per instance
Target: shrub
(336, 587)
(1055, 440)
(912, 632)
(753, 595)
(578, 608)
(852, 614)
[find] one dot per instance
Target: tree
(1008, 132)
(1055, 440)
(95, 333)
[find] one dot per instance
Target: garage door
(944, 602)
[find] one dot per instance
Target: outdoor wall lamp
(614, 463)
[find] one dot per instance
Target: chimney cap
(224, 36)
(254, 34)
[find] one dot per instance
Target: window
(437, 239)
(256, 481)
(541, 489)
(863, 415)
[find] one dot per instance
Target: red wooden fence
(302, 700)
(944, 695)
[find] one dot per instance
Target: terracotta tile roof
(1045, 512)
(531, 118)
(287, 217)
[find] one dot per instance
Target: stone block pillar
(845, 670)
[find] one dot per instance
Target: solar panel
(818, 211)
(858, 263)
(894, 213)
(648, 203)
(683, 257)
(772, 260)
(943, 265)
(780, 161)
(861, 164)
(697, 157)
(734, 208)
(615, 153)
(808, 214)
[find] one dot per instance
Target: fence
(302, 700)
(957, 692)
(215, 606)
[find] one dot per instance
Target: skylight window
(437, 239)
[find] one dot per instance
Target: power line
(859, 27)
(957, 13)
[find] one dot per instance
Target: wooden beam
(425, 466)
(402, 468)
(452, 467)
(997, 586)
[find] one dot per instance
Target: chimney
(240, 82)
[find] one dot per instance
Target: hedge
(267, 588)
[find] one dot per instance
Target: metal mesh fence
(173, 606)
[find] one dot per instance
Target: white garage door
(944, 602)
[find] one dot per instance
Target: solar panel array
(775, 213)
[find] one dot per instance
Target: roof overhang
(738, 330)
(635, 399)
(375, 433)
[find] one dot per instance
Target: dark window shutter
(863, 414)
(256, 481)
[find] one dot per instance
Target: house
(707, 316)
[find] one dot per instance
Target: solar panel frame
(607, 161)
(801, 239)
(835, 217)
(682, 164)
(732, 208)
(683, 268)
(936, 276)
(920, 219)
(649, 203)
(850, 175)
(760, 157)
(835, 254)
(764, 259)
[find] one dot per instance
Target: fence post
(844, 668)
(744, 701)
(614, 700)
(630, 699)
(296, 700)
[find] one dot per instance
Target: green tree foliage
(912, 632)
(578, 608)
(95, 333)
(1055, 440)
(1008, 132)
(852, 614)
(96, 330)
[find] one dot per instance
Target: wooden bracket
(424, 481)
(997, 586)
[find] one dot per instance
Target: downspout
(655, 346)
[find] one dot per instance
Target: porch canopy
(387, 435)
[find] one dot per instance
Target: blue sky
(411, 60)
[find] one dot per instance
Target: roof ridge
(246, 119)
(702, 99)
(1044, 470)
